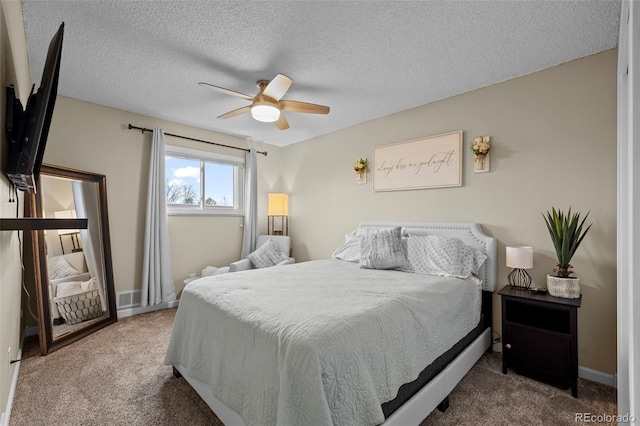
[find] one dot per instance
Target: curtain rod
(144, 129)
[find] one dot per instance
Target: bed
(328, 342)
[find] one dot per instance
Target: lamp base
(519, 278)
(283, 228)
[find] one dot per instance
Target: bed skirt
(407, 390)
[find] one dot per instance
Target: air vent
(129, 299)
(137, 297)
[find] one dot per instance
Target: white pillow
(69, 288)
(61, 268)
(75, 287)
(478, 258)
(442, 256)
(268, 254)
(382, 248)
(350, 250)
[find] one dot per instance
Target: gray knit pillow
(268, 254)
(382, 248)
(61, 268)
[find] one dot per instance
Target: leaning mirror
(74, 275)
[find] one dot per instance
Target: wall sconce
(519, 258)
(360, 167)
(481, 159)
(278, 207)
(73, 233)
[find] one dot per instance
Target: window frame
(201, 209)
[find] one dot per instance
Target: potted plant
(567, 232)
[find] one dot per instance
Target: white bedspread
(317, 343)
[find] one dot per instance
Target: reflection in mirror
(76, 291)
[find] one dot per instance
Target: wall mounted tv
(28, 128)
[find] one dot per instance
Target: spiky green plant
(567, 233)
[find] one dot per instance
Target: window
(203, 183)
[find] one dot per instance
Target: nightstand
(540, 337)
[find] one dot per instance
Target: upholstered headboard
(470, 233)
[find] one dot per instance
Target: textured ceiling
(364, 59)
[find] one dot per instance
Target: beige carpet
(116, 377)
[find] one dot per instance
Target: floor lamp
(278, 214)
(73, 233)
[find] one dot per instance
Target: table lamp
(520, 259)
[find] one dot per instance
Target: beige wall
(13, 70)
(57, 195)
(94, 138)
(554, 144)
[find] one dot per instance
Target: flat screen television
(28, 128)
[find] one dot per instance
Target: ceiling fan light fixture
(265, 112)
(267, 105)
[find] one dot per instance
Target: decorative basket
(79, 307)
(568, 288)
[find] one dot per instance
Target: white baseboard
(4, 419)
(128, 312)
(12, 391)
(597, 376)
(497, 347)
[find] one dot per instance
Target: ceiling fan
(267, 105)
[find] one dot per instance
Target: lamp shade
(520, 257)
(278, 205)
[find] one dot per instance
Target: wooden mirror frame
(47, 342)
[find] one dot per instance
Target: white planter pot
(568, 288)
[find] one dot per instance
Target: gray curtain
(157, 273)
(85, 199)
(250, 204)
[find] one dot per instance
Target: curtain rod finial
(131, 126)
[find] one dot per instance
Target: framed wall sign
(431, 162)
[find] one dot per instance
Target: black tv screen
(28, 129)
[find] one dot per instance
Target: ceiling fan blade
(237, 112)
(282, 122)
(296, 106)
(226, 91)
(278, 87)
